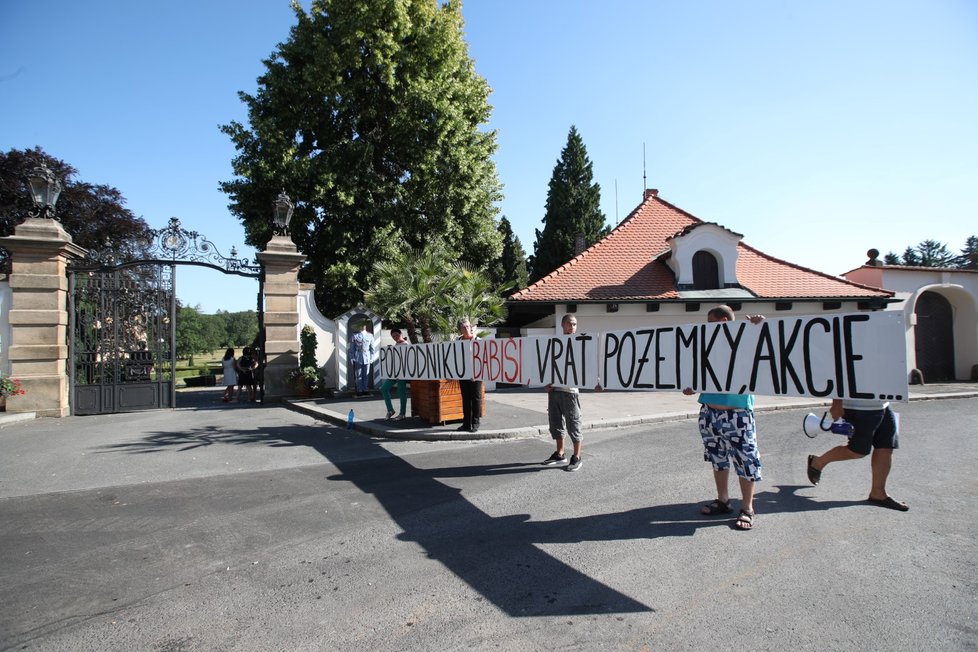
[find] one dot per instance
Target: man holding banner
(726, 424)
(564, 412)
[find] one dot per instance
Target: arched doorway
(934, 337)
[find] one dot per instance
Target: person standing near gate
(230, 366)
(361, 354)
(246, 373)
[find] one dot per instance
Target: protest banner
(431, 361)
(854, 355)
(570, 360)
(858, 355)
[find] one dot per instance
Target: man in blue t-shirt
(726, 424)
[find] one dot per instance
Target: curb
(310, 408)
(17, 417)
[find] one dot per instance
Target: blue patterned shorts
(729, 434)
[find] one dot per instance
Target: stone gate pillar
(40, 250)
(281, 262)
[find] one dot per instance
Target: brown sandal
(716, 508)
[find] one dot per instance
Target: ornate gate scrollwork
(123, 321)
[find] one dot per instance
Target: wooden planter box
(439, 401)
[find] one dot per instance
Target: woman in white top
(230, 374)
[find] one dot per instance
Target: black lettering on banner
(690, 344)
(429, 358)
(570, 365)
(556, 352)
(543, 361)
(659, 358)
(650, 332)
(628, 336)
(764, 342)
(807, 350)
(784, 350)
(459, 356)
(583, 339)
(705, 349)
(611, 346)
(411, 365)
(837, 350)
(851, 357)
(734, 344)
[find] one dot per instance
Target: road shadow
(498, 556)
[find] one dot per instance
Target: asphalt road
(262, 529)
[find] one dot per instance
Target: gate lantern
(45, 188)
(283, 213)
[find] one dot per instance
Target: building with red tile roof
(662, 265)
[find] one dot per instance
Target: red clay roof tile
(625, 266)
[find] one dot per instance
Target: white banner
(858, 355)
(570, 360)
(434, 361)
(855, 355)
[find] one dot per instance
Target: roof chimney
(651, 192)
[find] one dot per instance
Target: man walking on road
(875, 429)
(564, 412)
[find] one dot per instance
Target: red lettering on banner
(517, 366)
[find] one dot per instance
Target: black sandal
(814, 475)
(716, 508)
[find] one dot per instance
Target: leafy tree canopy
(94, 215)
(573, 207)
(370, 117)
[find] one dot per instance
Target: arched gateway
(122, 322)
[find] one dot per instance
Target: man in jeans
(564, 412)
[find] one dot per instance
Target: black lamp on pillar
(283, 214)
(45, 188)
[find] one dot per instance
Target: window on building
(706, 271)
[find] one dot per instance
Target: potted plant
(306, 379)
(9, 387)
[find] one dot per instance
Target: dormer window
(706, 271)
(703, 256)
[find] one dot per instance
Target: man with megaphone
(874, 427)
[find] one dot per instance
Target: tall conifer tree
(573, 207)
(510, 267)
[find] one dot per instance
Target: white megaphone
(811, 425)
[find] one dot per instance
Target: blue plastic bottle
(349, 420)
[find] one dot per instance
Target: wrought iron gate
(122, 328)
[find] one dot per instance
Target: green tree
(891, 259)
(969, 255)
(573, 207)
(510, 268)
(239, 327)
(935, 254)
(407, 289)
(371, 116)
(94, 215)
(197, 333)
(427, 292)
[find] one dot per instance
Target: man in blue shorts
(875, 430)
(726, 425)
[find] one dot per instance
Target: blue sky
(816, 129)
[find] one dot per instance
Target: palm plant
(428, 292)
